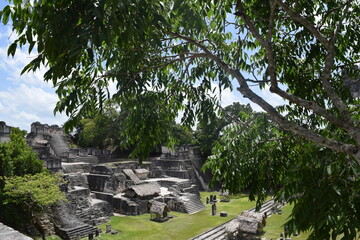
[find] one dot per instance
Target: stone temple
(101, 183)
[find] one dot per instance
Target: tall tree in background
(102, 130)
(164, 56)
(206, 134)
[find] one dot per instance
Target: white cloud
(14, 65)
(7, 34)
(271, 98)
(30, 97)
(24, 98)
(226, 97)
(25, 104)
(112, 88)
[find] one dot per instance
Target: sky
(27, 98)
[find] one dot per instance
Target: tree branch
(179, 59)
(272, 72)
(296, 16)
(275, 115)
(271, 20)
(329, 63)
(266, 44)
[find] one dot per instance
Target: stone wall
(39, 128)
(5, 131)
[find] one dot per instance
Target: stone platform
(8, 233)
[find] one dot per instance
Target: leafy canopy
(165, 56)
(207, 134)
(17, 157)
(26, 187)
(34, 192)
(323, 185)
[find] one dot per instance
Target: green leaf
(12, 49)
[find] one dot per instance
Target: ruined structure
(50, 143)
(159, 211)
(99, 183)
(248, 225)
(5, 131)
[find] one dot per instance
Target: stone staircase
(193, 204)
(77, 232)
(218, 233)
(130, 174)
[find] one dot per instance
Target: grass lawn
(274, 225)
(184, 226)
(49, 238)
(181, 227)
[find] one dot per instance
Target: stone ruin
(248, 225)
(100, 183)
(51, 144)
(5, 131)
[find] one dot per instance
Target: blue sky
(25, 99)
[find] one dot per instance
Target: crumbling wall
(5, 131)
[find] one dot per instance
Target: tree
(164, 56)
(34, 194)
(183, 135)
(17, 158)
(206, 134)
(322, 185)
(101, 130)
(26, 188)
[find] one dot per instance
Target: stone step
(81, 231)
(177, 173)
(215, 233)
(130, 174)
(184, 185)
(83, 215)
(218, 233)
(193, 205)
(266, 207)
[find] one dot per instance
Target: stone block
(223, 214)
(141, 173)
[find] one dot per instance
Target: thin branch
(346, 65)
(328, 12)
(335, 98)
(271, 20)
(275, 115)
(256, 81)
(192, 56)
(274, 86)
(296, 16)
(266, 44)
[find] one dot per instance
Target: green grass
(274, 225)
(184, 226)
(181, 227)
(54, 237)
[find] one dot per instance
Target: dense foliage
(26, 188)
(101, 130)
(323, 185)
(207, 134)
(108, 129)
(166, 56)
(17, 158)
